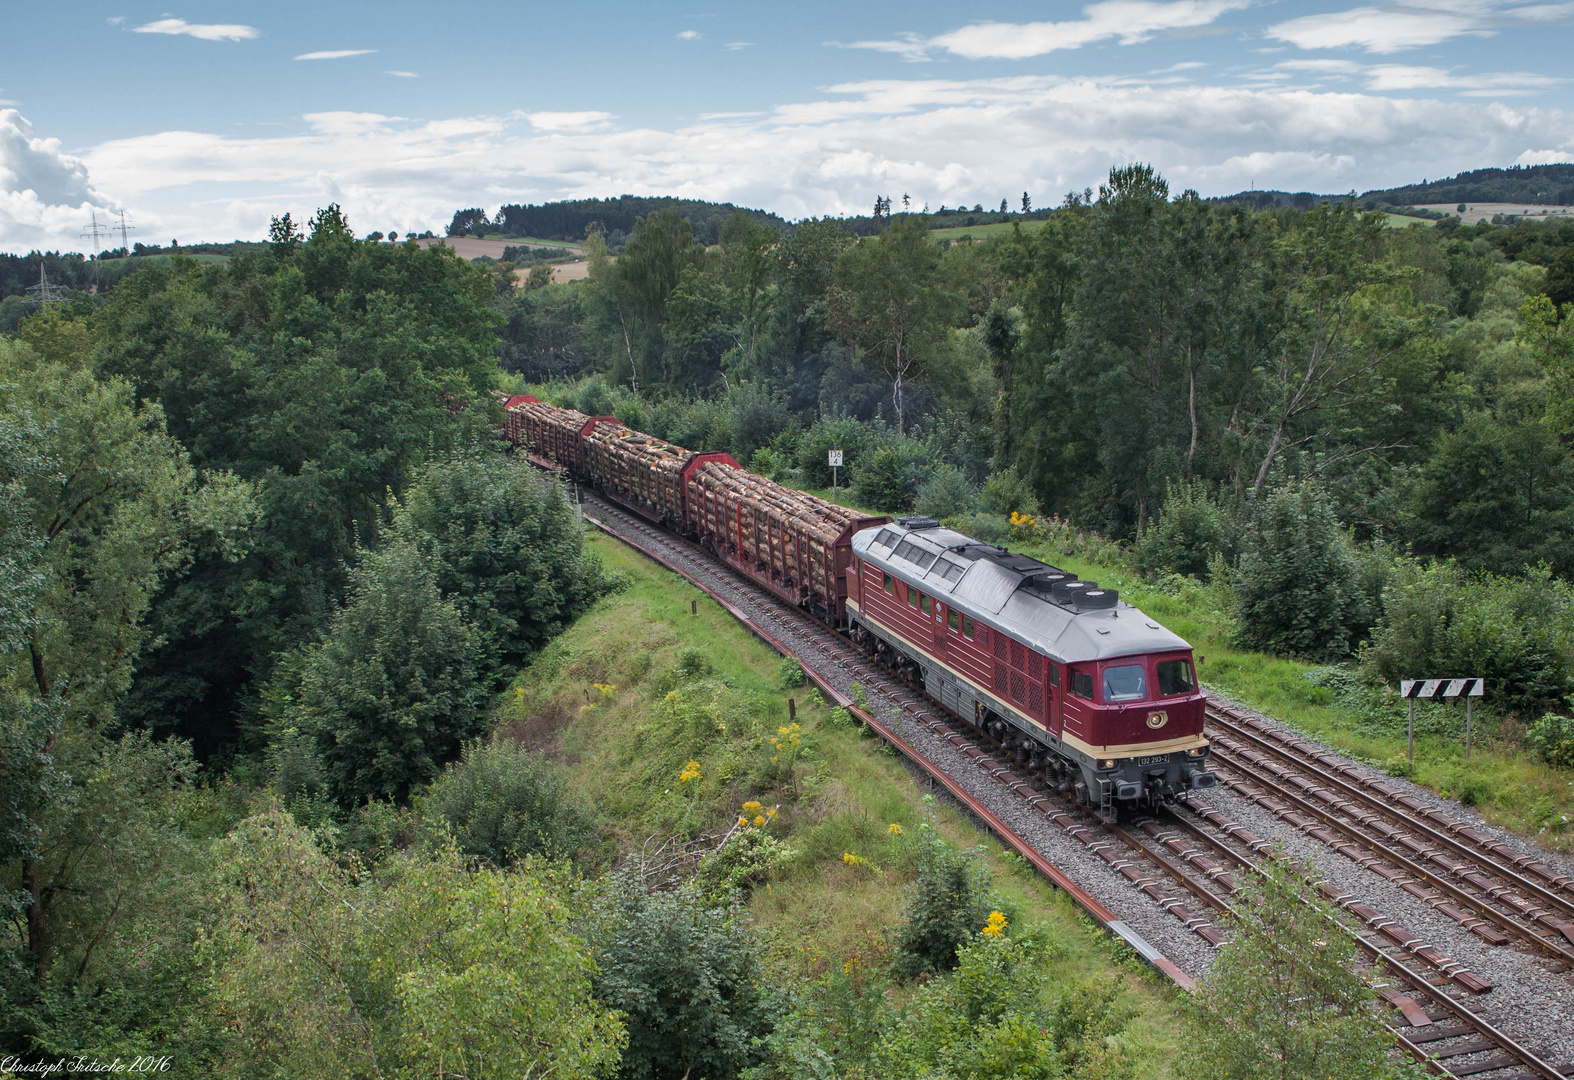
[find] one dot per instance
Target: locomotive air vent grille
(1018, 688)
(1000, 647)
(1000, 677)
(1016, 655)
(1035, 698)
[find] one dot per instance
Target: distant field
(467, 248)
(1400, 221)
(1485, 211)
(984, 232)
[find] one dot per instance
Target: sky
(203, 121)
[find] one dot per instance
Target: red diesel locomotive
(1068, 677)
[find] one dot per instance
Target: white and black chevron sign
(1442, 688)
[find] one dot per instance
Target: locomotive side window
(923, 603)
(1082, 684)
(1054, 673)
(890, 584)
(1128, 682)
(912, 596)
(967, 628)
(955, 621)
(1175, 677)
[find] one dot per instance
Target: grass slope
(623, 699)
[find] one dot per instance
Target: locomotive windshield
(1128, 682)
(1175, 677)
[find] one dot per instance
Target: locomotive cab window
(1125, 682)
(1082, 684)
(890, 584)
(1054, 673)
(967, 628)
(1175, 677)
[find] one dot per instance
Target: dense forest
(1537, 185)
(282, 617)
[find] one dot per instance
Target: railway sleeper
(1375, 863)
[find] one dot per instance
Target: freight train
(1069, 678)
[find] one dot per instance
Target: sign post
(1410, 689)
(835, 461)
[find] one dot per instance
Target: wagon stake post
(1410, 689)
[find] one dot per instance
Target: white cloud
(734, 46)
(1394, 27)
(944, 141)
(334, 54)
(688, 35)
(204, 31)
(45, 196)
(1406, 77)
(567, 121)
(403, 74)
(1129, 21)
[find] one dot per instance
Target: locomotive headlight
(1106, 764)
(1200, 751)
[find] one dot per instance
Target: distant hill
(568, 220)
(1543, 185)
(1264, 200)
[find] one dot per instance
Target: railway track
(1500, 895)
(1188, 865)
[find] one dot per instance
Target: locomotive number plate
(1152, 760)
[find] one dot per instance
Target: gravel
(1529, 1001)
(1559, 861)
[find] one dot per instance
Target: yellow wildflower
(752, 807)
(853, 860)
(894, 829)
(691, 771)
(759, 820)
(996, 926)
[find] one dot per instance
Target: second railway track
(1171, 876)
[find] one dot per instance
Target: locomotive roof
(1004, 590)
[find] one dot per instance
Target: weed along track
(1161, 882)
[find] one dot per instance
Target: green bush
(945, 494)
(948, 903)
(1297, 584)
(747, 860)
(1439, 621)
(1552, 740)
(686, 977)
(852, 437)
(789, 673)
(501, 802)
(1188, 531)
(1284, 997)
(393, 691)
(889, 480)
(511, 549)
(1006, 492)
